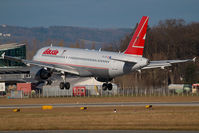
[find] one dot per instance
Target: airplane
(102, 65)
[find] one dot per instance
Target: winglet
(3, 55)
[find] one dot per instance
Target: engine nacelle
(103, 79)
(42, 74)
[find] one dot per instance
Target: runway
(102, 104)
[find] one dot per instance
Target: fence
(91, 92)
(152, 92)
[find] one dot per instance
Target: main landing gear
(107, 86)
(49, 82)
(64, 84)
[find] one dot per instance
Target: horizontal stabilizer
(129, 60)
(166, 63)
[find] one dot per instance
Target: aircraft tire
(49, 82)
(61, 85)
(67, 85)
(104, 86)
(109, 86)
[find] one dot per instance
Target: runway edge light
(148, 106)
(47, 107)
(83, 108)
(16, 110)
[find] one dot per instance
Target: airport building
(12, 72)
(12, 49)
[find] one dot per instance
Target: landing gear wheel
(61, 85)
(49, 82)
(109, 86)
(104, 87)
(67, 85)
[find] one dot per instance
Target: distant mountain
(67, 34)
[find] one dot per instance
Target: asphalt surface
(101, 131)
(102, 104)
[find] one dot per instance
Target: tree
(82, 44)
(61, 43)
(77, 44)
(170, 39)
(191, 74)
(93, 45)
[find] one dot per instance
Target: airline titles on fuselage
(50, 52)
(53, 53)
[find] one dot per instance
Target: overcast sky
(94, 13)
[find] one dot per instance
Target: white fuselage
(91, 62)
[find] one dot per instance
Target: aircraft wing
(67, 69)
(165, 63)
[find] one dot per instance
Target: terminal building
(12, 72)
(12, 49)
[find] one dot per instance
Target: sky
(95, 13)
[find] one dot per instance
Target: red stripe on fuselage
(74, 65)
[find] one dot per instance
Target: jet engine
(41, 74)
(44, 74)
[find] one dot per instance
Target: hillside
(66, 34)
